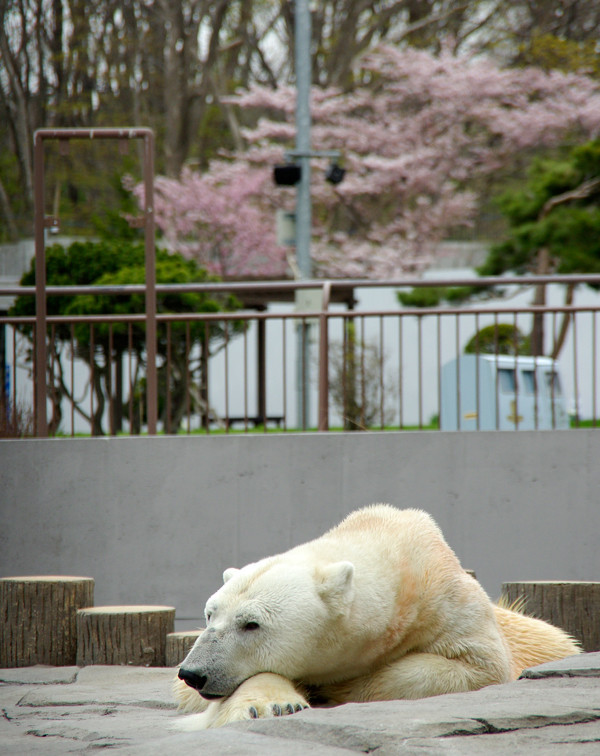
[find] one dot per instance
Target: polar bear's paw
(260, 697)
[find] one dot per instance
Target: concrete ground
(68, 710)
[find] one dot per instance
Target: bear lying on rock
(376, 609)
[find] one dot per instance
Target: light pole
(302, 40)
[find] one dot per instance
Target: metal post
(302, 40)
(151, 371)
(41, 423)
(40, 412)
(323, 360)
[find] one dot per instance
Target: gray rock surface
(554, 708)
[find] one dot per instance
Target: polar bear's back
(384, 518)
(395, 533)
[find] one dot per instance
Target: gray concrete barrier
(157, 520)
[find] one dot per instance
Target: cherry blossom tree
(223, 218)
(417, 137)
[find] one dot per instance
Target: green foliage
(554, 211)
(121, 263)
(502, 338)
(432, 296)
(556, 53)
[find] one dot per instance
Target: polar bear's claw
(253, 712)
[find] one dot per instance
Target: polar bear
(378, 608)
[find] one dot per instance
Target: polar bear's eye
(250, 626)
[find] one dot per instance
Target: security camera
(335, 174)
(287, 175)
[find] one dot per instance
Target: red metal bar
(72, 379)
(150, 284)
(363, 381)
(41, 418)
(324, 359)
(151, 368)
(168, 380)
(109, 383)
(381, 376)
(187, 378)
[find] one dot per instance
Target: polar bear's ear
(229, 573)
(335, 581)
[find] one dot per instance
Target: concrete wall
(156, 520)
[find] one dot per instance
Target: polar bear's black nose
(192, 679)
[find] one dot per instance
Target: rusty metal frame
(42, 222)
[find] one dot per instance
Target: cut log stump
(179, 644)
(571, 605)
(38, 618)
(134, 635)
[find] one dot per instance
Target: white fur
(377, 608)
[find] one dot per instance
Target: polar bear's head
(271, 616)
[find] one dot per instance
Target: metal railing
(334, 367)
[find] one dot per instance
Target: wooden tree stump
(179, 644)
(135, 635)
(571, 605)
(38, 618)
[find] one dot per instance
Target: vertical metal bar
(150, 262)
(439, 369)
(344, 370)
(52, 376)
(535, 393)
(324, 359)
(187, 378)
(14, 364)
(516, 348)
(303, 366)
(458, 403)
(302, 44)
(594, 368)
(130, 374)
(109, 382)
(420, 368)
(246, 380)
(381, 376)
(168, 381)
(552, 373)
(363, 376)
(400, 373)
(497, 371)
(261, 358)
(92, 377)
(40, 410)
(477, 387)
(284, 372)
(226, 367)
(206, 373)
(72, 346)
(575, 373)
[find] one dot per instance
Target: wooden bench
(253, 420)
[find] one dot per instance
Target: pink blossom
(412, 144)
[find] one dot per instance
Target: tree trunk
(537, 332)
(564, 326)
(134, 635)
(570, 605)
(7, 213)
(179, 645)
(38, 618)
